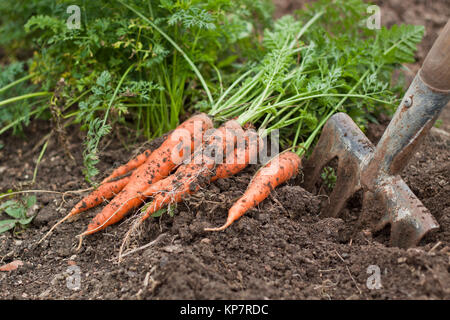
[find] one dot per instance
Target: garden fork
(375, 170)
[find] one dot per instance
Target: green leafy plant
(170, 210)
(143, 64)
(316, 64)
(169, 44)
(18, 211)
(328, 176)
(13, 83)
(438, 123)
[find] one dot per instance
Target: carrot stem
(24, 97)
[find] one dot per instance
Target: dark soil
(281, 250)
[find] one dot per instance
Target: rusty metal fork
(375, 170)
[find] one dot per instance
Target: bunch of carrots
(149, 174)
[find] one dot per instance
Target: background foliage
(83, 69)
(128, 65)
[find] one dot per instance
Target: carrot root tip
(54, 227)
(226, 225)
(80, 242)
(125, 241)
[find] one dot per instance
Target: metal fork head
(376, 170)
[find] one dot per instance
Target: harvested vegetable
(277, 171)
(243, 155)
(132, 164)
(203, 168)
(199, 170)
(102, 193)
(156, 167)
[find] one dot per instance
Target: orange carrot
(172, 186)
(191, 176)
(241, 157)
(109, 187)
(274, 173)
(103, 192)
(158, 165)
(130, 165)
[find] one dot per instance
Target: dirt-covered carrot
(189, 177)
(274, 173)
(158, 165)
(129, 166)
(103, 192)
(242, 156)
(109, 187)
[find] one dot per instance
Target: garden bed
(281, 250)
